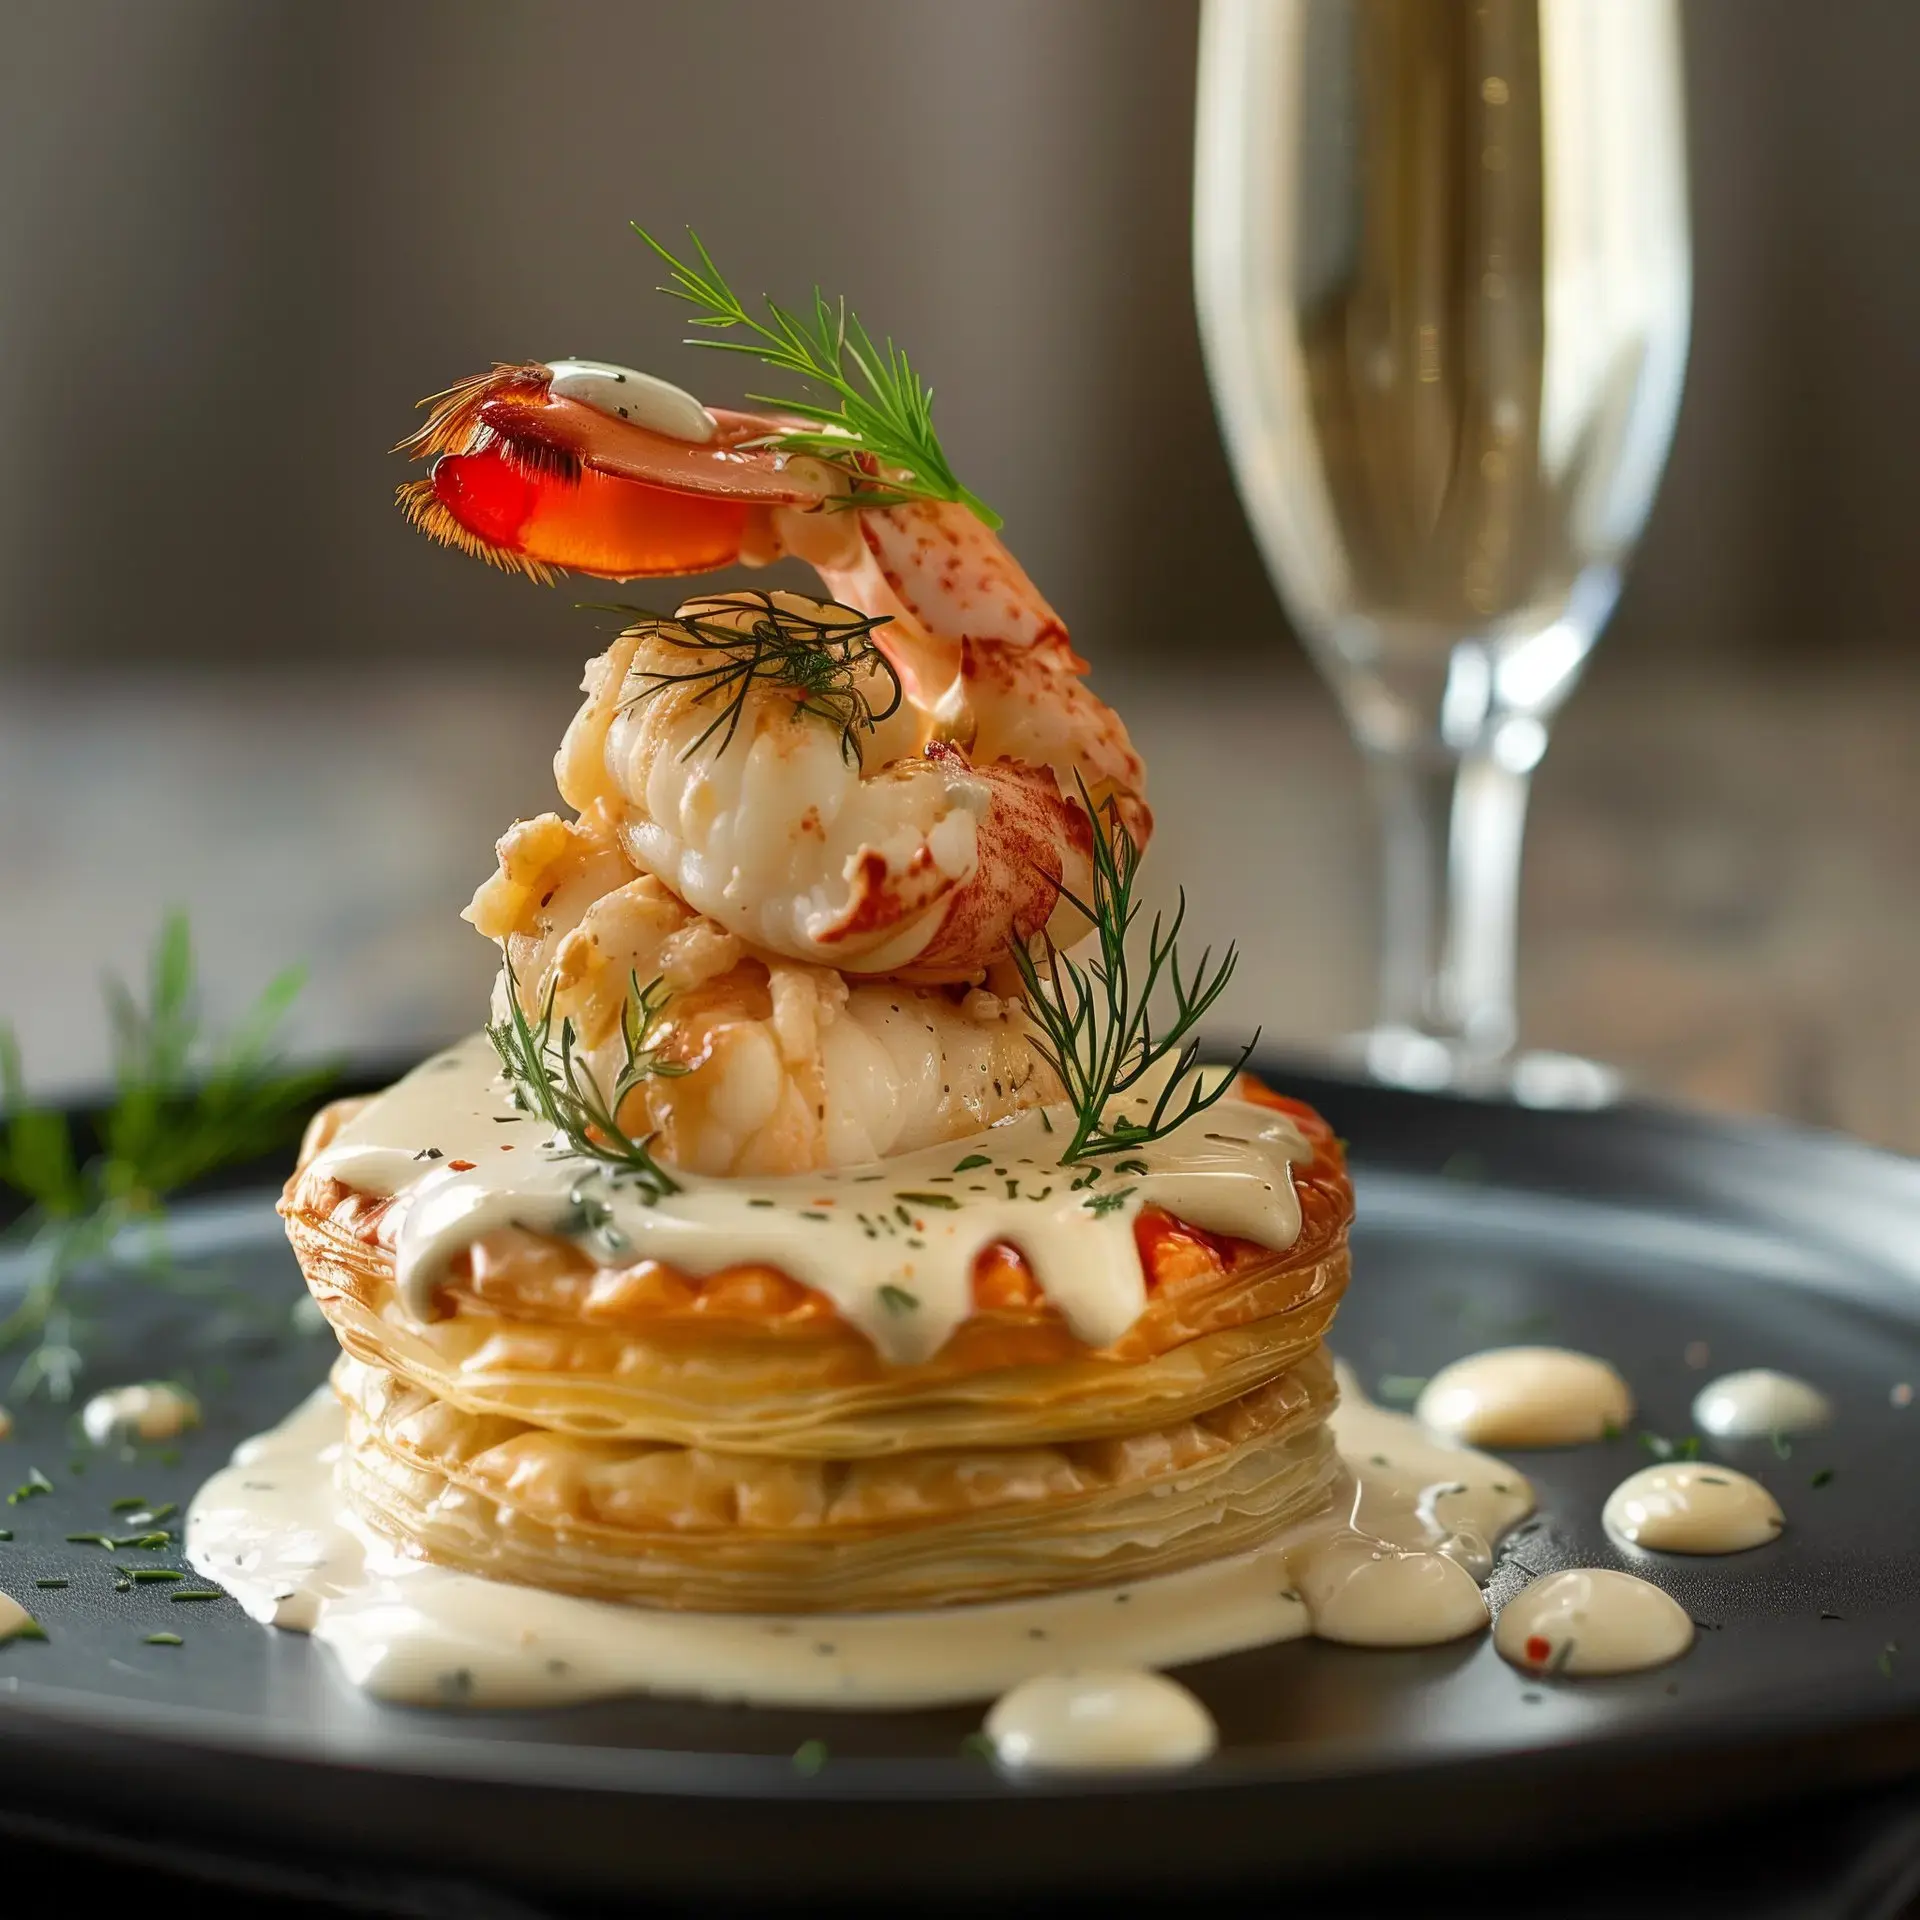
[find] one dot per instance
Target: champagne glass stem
(1451, 825)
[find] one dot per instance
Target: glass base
(1405, 1057)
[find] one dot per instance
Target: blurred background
(239, 240)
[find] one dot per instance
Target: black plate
(1637, 1234)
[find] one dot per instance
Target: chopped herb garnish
(971, 1161)
(26, 1630)
(91, 1540)
(163, 1640)
(898, 1299)
(1105, 1203)
(762, 1203)
(1130, 1166)
(196, 1593)
(34, 1484)
(1823, 1478)
(50, 1583)
(945, 1200)
(1782, 1446)
(1664, 1449)
(807, 1213)
(131, 1504)
(146, 1576)
(977, 1746)
(809, 1757)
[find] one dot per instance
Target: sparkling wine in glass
(1442, 265)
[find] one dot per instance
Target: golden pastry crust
(698, 1529)
(749, 1360)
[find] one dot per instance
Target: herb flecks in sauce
(912, 1234)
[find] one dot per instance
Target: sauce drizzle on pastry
(892, 1244)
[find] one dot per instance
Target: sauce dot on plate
(1692, 1507)
(1590, 1621)
(1525, 1397)
(153, 1411)
(1753, 1404)
(1100, 1720)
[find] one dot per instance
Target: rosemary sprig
(551, 1081)
(1098, 1027)
(184, 1106)
(820, 658)
(879, 412)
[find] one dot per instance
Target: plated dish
(833, 1278)
(808, 1233)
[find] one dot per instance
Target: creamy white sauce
(627, 394)
(1589, 1621)
(1526, 1397)
(1759, 1402)
(13, 1617)
(1692, 1507)
(893, 1244)
(1112, 1718)
(152, 1411)
(1387, 1566)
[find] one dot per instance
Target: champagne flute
(1442, 267)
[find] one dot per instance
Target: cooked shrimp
(608, 471)
(874, 849)
(788, 1067)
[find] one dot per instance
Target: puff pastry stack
(731, 1443)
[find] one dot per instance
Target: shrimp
(788, 1067)
(929, 867)
(604, 470)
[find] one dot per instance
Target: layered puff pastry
(730, 1442)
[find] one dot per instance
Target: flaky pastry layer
(749, 1360)
(693, 1528)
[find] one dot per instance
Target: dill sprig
(820, 658)
(184, 1105)
(551, 1081)
(872, 406)
(1097, 1025)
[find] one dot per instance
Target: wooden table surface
(1722, 893)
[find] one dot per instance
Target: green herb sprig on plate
(185, 1104)
(1097, 1024)
(871, 406)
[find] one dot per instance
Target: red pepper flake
(461, 1166)
(1539, 1649)
(820, 1203)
